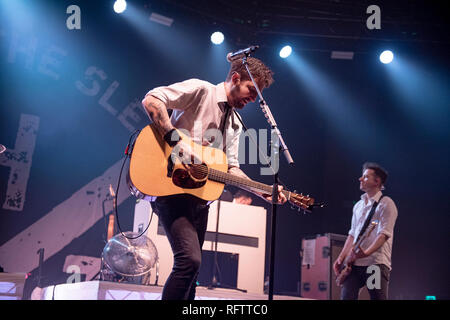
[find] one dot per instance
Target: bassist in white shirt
(370, 264)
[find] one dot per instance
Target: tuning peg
(303, 210)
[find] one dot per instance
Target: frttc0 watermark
(231, 309)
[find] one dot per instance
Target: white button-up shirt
(386, 214)
(199, 106)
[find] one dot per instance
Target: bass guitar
(346, 266)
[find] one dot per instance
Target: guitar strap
(224, 121)
(369, 218)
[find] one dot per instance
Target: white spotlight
(386, 56)
(120, 6)
(285, 52)
(217, 37)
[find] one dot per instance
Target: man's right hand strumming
(184, 152)
(345, 250)
(337, 265)
(157, 112)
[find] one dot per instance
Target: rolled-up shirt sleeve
(352, 230)
(388, 216)
(180, 95)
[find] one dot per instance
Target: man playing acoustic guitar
(376, 249)
(199, 107)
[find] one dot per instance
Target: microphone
(2, 148)
(240, 53)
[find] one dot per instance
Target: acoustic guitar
(155, 170)
(346, 266)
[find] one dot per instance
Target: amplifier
(318, 254)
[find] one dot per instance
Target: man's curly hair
(260, 72)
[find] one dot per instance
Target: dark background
(334, 114)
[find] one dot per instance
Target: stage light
(386, 56)
(217, 37)
(120, 6)
(285, 52)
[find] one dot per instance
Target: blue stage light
(386, 56)
(285, 51)
(217, 37)
(120, 6)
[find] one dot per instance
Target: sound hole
(181, 178)
(198, 171)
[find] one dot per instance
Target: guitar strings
(204, 171)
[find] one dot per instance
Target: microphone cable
(128, 151)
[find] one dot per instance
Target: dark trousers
(358, 279)
(184, 218)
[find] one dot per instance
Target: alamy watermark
(233, 145)
(374, 20)
(74, 20)
(75, 276)
(374, 280)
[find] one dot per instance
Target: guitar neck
(357, 245)
(242, 183)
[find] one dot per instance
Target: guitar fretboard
(240, 182)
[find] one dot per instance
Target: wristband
(172, 137)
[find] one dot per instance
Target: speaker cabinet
(318, 254)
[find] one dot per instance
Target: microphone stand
(41, 262)
(275, 146)
(216, 240)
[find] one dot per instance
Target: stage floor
(104, 290)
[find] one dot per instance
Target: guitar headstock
(302, 202)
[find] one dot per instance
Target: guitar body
(151, 163)
(343, 274)
(346, 267)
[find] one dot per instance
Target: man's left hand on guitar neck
(357, 255)
(281, 197)
(376, 244)
(268, 197)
